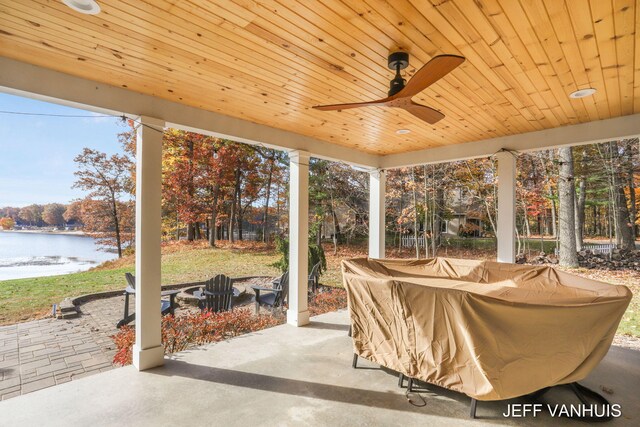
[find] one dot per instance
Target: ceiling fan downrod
(397, 61)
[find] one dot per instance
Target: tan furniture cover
(489, 330)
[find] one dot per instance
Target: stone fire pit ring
(240, 285)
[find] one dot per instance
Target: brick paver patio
(42, 353)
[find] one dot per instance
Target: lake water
(35, 254)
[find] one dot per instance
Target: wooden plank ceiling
(269, 61)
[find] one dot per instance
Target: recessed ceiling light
(88, 7)
(582, 93)
(403, 131)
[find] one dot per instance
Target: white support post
(298, 312)
(147, 350)
(506, 226)
(377, 186)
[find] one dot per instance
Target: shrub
(316, 255)
(324, 302)
(193, 329)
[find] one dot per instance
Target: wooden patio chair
(166, 307)
(314, 278)
(273, 297)
(218, 293)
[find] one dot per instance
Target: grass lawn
(26, 299)
(630, 323)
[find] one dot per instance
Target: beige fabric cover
(489, 330)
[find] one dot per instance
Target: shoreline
(59, 232)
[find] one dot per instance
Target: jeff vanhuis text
(522, 410)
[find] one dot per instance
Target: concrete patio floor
(286, 376)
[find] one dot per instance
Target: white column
(377, 186)
(298, 312)
(147, 350)
(506, 226)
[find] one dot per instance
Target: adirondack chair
(217, 294)
(314, 278)
(273, 297)
(166, 307)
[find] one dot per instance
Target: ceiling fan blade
(423, 112)
(333, 107)
(431, 72)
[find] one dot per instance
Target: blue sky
(36, 152)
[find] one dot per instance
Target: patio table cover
(486, 329)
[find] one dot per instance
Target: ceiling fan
(401, 91)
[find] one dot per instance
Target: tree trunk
(438, 212)
(579, 214)
(426, 204)
(633, 214)
(265, 216)
(415, 217)
(624, 234)
(566, 217)
(191, 191)
(233, 213)
(554, 222)
(240, 214)
(214, 214)
(278, 208)
(399, 220)
(177, 226)
(334, 217)
(116, 223)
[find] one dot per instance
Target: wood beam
(585, 133)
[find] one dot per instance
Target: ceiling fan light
(582, 93)
(88, 7)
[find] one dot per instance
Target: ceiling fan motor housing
(397, 61)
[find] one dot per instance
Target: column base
(148, 358)
(298, 318)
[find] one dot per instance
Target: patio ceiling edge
(585, 133)
(23, 79)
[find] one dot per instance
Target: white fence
(604, 249)
(410, 241)
(247, 235)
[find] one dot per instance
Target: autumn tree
(53, 214)
(73, 212)
(7, 223)
(10, 212)
(108, 182)
(32, 214)
(97, 217)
